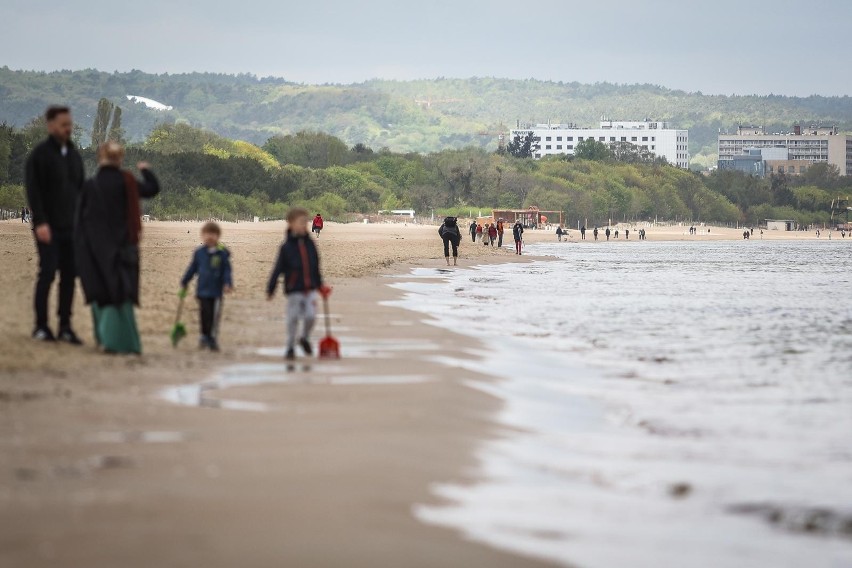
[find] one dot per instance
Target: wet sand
(97, 470)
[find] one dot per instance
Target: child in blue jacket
(212, 263)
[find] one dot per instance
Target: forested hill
(416, 116)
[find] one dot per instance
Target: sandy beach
(97, 469)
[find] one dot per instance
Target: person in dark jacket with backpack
(472, 230)
(451, 235)
(298, 263)
(54, 177)
(518, 233)
(212, 263)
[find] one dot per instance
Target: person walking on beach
(54, 176)
(451, 235)
(109, 226)
(616, 233)
(559, 233)
(479, 232)
(298, 263)
(518, 234)
(23, 214)
(583, 233)
(626, 234)
(500, 229)
(486, 234)
(473, 230)
(607, 233)
(492, 233)
(212, 263)
(317, 225)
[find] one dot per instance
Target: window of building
(780, 169)
(569, 147)
(633, 139)
(653, 147)
(538, 155)
(579, 138)
(624, 138)
(602, 139)
(569, 138)
(559, 146)
(644, 139)
(559, 139)
(653, 138)
(548, 138)
(547, 147)
(612, 138)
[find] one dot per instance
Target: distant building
(787, 153)
(654, 136)
(781, 225)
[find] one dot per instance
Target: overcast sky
(715, 46)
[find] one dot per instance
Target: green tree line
(205, 175)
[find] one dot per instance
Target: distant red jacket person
(317, 225)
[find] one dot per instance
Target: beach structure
(656, 137)
(398, 213)
(530, 217)
(780, 225)
(753, 151)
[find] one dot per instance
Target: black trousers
(58, 255)
(207, 307)
(447, 243)
(499, 239)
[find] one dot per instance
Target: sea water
(682, 404)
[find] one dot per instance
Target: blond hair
(111, 153)
(297, 212)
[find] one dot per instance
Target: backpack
(450, 222)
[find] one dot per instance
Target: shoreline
(98, 471)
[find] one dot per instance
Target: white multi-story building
(654, 136)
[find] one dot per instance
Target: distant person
(500, 229)
(745, 235)
(451, 235)
(479, 232)
(492, 233)
(109, 226)
(627, 234)
(298, 263)
(607, 233)
(616, 233)
(54, 177)
(751, 232)
(518, 234)
(583, 233)
(212, 263)
(317, 225)
(472, 230)
(23, 214)
(595, 233)
(559, 233)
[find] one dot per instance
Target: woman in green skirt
(109, 225)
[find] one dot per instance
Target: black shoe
(213, 344)
(291, 355)
(43, 334)
(306, 347)
(68, 336)
(204, 343)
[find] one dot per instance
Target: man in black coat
(54, 176)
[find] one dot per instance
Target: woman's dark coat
(107, 258)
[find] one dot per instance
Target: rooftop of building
(605, 124)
